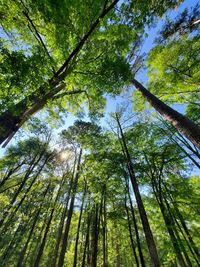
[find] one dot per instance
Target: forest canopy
(81, 186)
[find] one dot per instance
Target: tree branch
(68, 93)
(36, 34)
(63, 69)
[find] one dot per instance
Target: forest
(99, 133)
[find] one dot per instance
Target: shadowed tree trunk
(78, 229)
(34, 162)
(71, 208)
(11, 245)
(10, 173)
(118, 258)
(41, 248)
(9, 220)
(182, 225)
(142, 262)
(145, 223)
(62, 220)
(196, 258)
(187, 259)
(104, 225)
(42, 245)
(170, 227)
(187, 127)
(131, 235)
(86, 239)
(30, 169)
(94, 236)
(24, 249)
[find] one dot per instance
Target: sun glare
(64, 155)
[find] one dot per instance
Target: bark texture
(187, 127)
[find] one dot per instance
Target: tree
(143, 215)
(122, 193)
(183, 124)
(89, 39)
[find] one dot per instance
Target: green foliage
(43, 181)
(101, 180)
(174, 70)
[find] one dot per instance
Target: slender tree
(78, 228)
(143, 215)
(70, 213)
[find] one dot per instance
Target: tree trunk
(10, 122)
(71, 208)
(23, 251)
(186, 240)
(186, 153)
(131, 235)
(9, 220)
(41, 248)
(135, 227)
(104, 226)
(94, 236)
(11, 246)
(145, 223)
(31, 167)
(187, 127)
(86, 240)
(170, 228)
(62, 220)
(184, 229)
(118, 258)
(171, 218)
(10, 173)
(78, 229)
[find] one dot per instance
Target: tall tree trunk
(9, 220)
(11, 121)
(104, 225)
(62, 220)
(145, 223)
(118, 258)
(78, 229)
(94, 236)
(187, 127)
(131, 235)
(42, 245)
(24, 249)
(182, 225)
(10, 173)
(142, 261)
(26, 176)
(186, 240)
(86, 239)
(170, 226)
(41, 248)
(185, 228)
(71, 208)
(5, 256)
(30, 169)
(176, 233)
(186, 153)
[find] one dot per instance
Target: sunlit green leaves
(174, 70)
